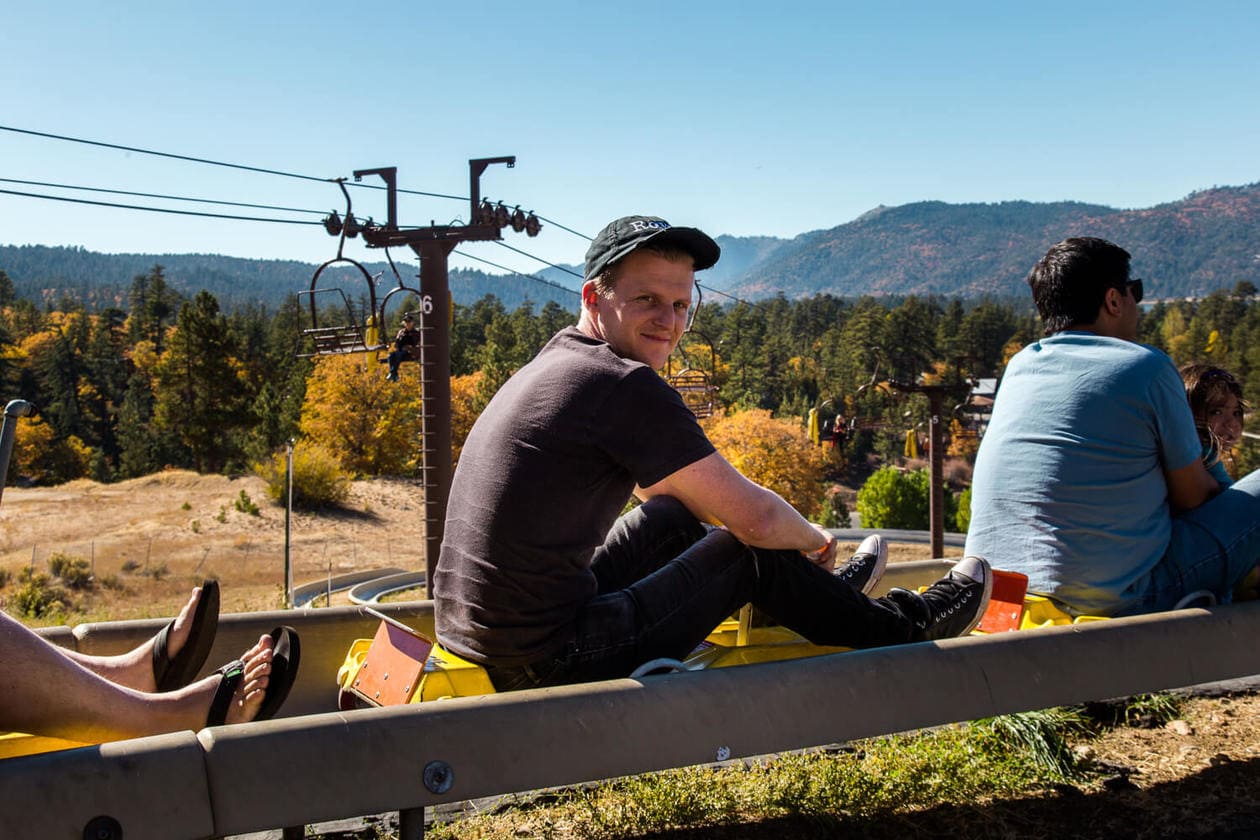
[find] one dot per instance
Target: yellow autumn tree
(963, 442)
(774, 453)
(1177, 338)
(466, 405)
(1009, 349)
(373, 425)
(40, 457)
(37, 344)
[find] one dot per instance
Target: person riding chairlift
(406, 346)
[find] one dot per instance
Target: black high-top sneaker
(864, 569)
(952, 606)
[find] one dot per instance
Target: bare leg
(45, 692)
(134, 669)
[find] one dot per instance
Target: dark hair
(1070, 283)
(1207, 385)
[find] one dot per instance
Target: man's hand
(714, 491)
(825, 556)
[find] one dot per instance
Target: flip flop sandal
(232, 674)
(172, 672)
(285, 658)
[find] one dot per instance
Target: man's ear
(590, 297)
(1111, 301)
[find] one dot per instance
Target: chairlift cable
(565, 269)
(723, 294)
(554, 223)
(246, 168)
(533, 277)
(192, 159)
(160, 209)
(160, 195)
(259, 169)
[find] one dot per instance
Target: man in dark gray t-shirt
(543, 581)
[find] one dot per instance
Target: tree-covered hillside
(1191, 247)
(47, 275)
(1209, 240)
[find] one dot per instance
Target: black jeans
(666, 580)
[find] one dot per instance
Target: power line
(724, 294)
(277, 221)
(554, 223)
(159, 209)
(246, 168)
(159, 195)
(210, 162)
(565, 269)
(533, 277)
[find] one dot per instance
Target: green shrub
(75, 572)
(891, 498)
(221, 516)
(245, 504)
(37, 596)
(5, 575)
(963, 515)
(834, 513)
(319, 479)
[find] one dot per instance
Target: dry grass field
(156, 537)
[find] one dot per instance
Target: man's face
(1129, 314)
(645, 315)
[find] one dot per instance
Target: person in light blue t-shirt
(1089, 478)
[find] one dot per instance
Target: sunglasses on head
(1217, 374)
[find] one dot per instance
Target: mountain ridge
(1208, 240)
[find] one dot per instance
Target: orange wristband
(821, 551)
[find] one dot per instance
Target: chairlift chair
(694, 385)
(354, 336)
(697, 392)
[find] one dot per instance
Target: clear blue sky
(741, 118)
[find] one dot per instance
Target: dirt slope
(158, 535)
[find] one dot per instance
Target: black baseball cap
(629, 232)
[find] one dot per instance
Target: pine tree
(201, 393)
(152, 303)
(140, 450)
(103, 387)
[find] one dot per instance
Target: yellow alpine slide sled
(402, 664)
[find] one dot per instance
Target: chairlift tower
(433, 245)
(936, 395)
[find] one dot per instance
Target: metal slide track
(370, 592)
